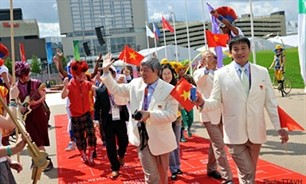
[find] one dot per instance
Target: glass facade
(115, 18)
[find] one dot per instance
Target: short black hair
(238, 39)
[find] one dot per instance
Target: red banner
(22, 53)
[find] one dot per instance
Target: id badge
(115, 113)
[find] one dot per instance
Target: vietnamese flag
(131, 56)
(22, 53)
(181, 92)
(166, 25)
(214, 40)
(288, 122)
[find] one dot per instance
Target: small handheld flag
(214, 40)
(181, 92)
(131, 56)
(288, 122)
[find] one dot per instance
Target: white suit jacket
(163, 109)
(243, 116)
(205, 85)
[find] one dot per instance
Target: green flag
(302, 38)
(76, 50)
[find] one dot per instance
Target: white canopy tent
(288, 41)
(259, 44)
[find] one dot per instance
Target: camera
(137, 115)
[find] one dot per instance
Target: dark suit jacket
(102, 106)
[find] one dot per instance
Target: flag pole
(12, 42)
(204, 26)
(175, 41)
(13, 60)
(155, 46)
(188, 40)
(252, 32)
(165, 43)
(302, 39)
(155, 43)
(48, 69)
(146, 24)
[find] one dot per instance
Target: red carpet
(193, 163)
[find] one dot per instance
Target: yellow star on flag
(132, 55)
(185, 95)
(216, 38)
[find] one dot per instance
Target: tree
(35, 65)
(8, 64)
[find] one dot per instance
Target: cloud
(45, 11)
(48, 29)
(195, 10)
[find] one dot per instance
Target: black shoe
(173, 176)
(50, 166)
(179, 171)
(214, 174)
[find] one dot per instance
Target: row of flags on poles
(5, 53)
(156, 32)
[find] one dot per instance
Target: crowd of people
(120, 108)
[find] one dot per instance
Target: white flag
(302, 38)
(149, 32)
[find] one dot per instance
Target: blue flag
(49, 52)
(156, 31)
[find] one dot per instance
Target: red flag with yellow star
(181, 92)
(130, 56)
(214, 40)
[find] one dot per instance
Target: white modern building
(121, 22)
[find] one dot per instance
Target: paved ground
(291, 155)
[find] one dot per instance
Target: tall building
(120, 22)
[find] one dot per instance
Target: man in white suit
(212, 120)
(243, 104)
(151, 97)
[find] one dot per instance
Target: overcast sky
(45, 11)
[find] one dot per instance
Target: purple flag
(216, 30)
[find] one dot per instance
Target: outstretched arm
(225, 22)
(58, 60)
(95, 71)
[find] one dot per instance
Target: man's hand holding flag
(181, 92)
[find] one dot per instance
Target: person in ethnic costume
(77, 90)
(36, 122)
